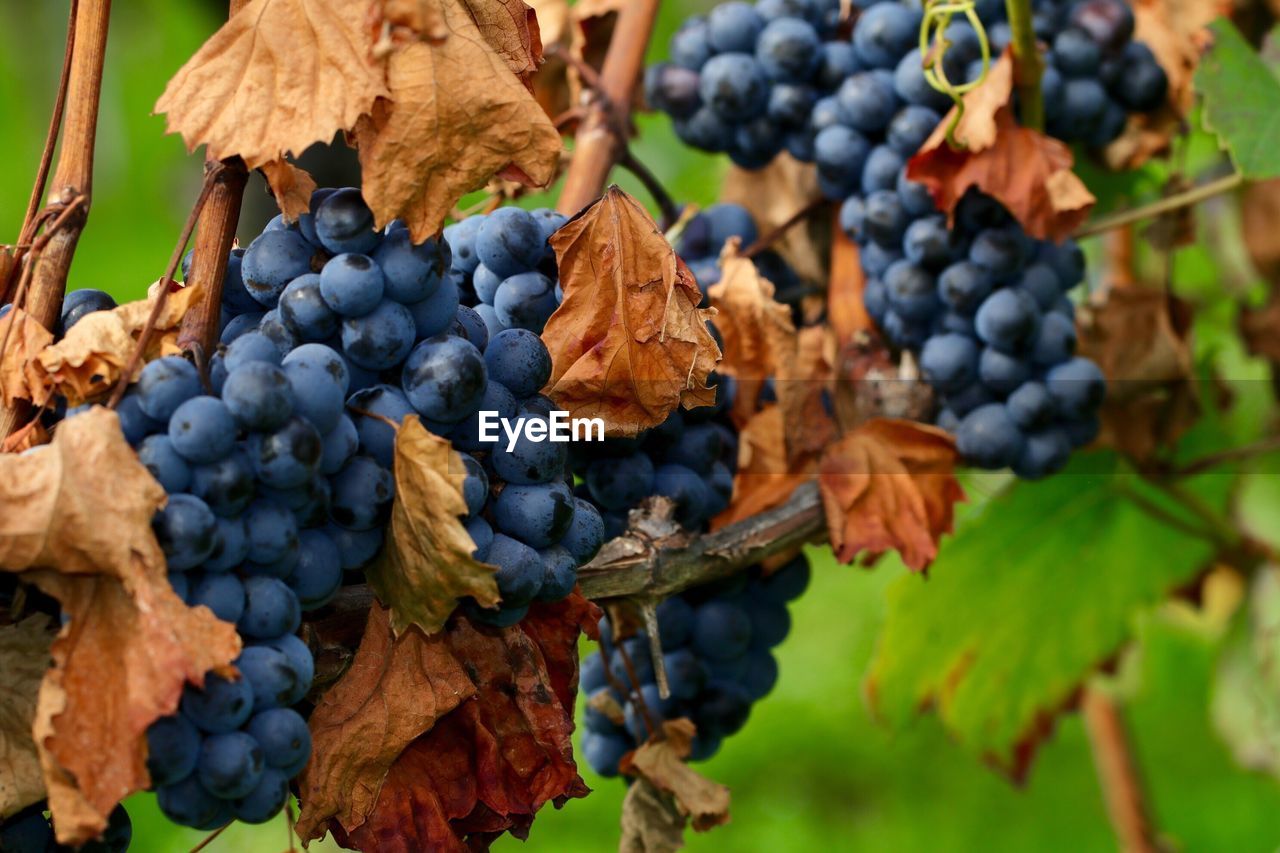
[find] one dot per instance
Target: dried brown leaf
(457, 116)
(764, 478)
(511, 28)
(420, 17)
(772, 195)
(759, 337)
(291, 185)
(24, 658)
(890, 485)
(426, 565)
(846, 312)
(628, 343)
(277, 77)
(662, 764)
(23, 338)
(803, 383)
(1140, 337)
(75, 516)
(396, 689)
(90, 359)
(651, 822)
(1260, 222)
(1027, 171)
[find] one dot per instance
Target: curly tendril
(934, 45)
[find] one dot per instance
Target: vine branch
(601, 140)
(1028, 64)
(1117, 772)
(1195, 195)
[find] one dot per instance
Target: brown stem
(773, 236)
(1231, 454)
(666, 205)
(214, 237)
(1117, 772)
(602, 135)
(73, 177)
(166, 281)
(1195, 195)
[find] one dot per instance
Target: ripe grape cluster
(717, 643)
(279, 467)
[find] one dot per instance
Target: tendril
(933, 48)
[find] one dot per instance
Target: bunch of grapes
(716, 649)
(29, 831)
(744, 79)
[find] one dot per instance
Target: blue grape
(173, 746)
(265, 800)
(520, 570)
(538, 515)
(186, 530)
(271, 609)
(344, 223)
(518, 359)
(560, 573)
(989, 438)
(475, 487)
(271, 530)
(380, 339)
(1055, 340)
(470, 326)
(884, 33)
(272, 260)
(230, 764)
(510, 241)
(258, 395)
(949, 362)
(221, 592)
(80, 303)
(444, 379)
(251, 346)
(1077, 388)
(225, 485)
(284, 738)
(319, 379)
(734, 86)
(165, 384)
(352, 285)
(288, 457)
(435, 314)
(1044, 452)
(461, 237)
(171, 470)
(371, 408)
(362, 495)
(222, 705)
(585, 533)
(525, 301)
(788, 49)
(232, 547)
(733, 26)
(201, 430)
(1007, 319)
(412, 272)
(1001, 372)
(689, 46)
(528, 461)
(186, 802)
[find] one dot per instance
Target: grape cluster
(505, 269)
(29, 831)
(716, 649)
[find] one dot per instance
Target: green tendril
(934, 46)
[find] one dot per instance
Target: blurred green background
(812, 770)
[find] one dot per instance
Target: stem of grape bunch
(70, 190)
(1028, 64)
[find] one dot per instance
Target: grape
(225, 485)
(272, 260)
(1142, 86)
(1108, 22)
(461, 237)
(222, 705)
(518, 359)
(164, 385)
(603, 752)
(380, 339)
(950, 361)
(185, 529)
(911, 291)
(466, 434)
(481, 536)
(722, 710)
(689, 46)
(173, 746)
(884, 219)
(230, 764)
(444, 379)
(251, 346)
(910, 84)
(585, 533)
(884, 33)
(1075, 53)
(284, 738)
(273, 679)
(788, 50)
(617, 484)
(528, 461)
(722, 631)
(80, 303)
(1007, 319)
(910, 128)
(881, 170)
(412, 272)
(840, 153)
(435, 314)
(475, 487)
(362, 494)
(520, 570)
(1077, 387)
(371, 408)
(319, 379)
(1044, 453)
(989, 438)
(1001, 372)
(186, 802)
(271, 530)
(1055, 340)
(258, 395)
(927, 243)
(691, 495)
(265, 800)
(352, 285)
(223, 593)
(733, 26)
(201, 430)
(706, 129)
(344, 223)
(538, 515)
(672, 89)
(470, 326)
(510, 241)
(157, 454)
(298, 657)
(734, 86)
(271, 609)
(560, 573)
(232, 546)
(288, 457)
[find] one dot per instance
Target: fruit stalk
(1028, 64)
(1117, 772)
(214, 237)
(72, 177)
(602, 135)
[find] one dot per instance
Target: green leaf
(1029, 597)
(1241, 101)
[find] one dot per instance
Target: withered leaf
(651, 822)
(803, 383)
(75, 517)
(889, 485)
(456, 117)
(773, 195)
(846, 312)
(90, 358)
(422, 18)
(662, 764)
(628, 343)
(24, 657)
(764, 478)
(759, 336)
(291, 185)
(582, 31)
(490, 764)
(511, 28)
(23, 338)
(426, 565)
(278, 76)
(1027, 171)
(1260, 222)
(1140, 339)
(396, 689)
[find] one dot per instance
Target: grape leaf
(846, 311)
(1241, 102)
(803, 383)
(88, 361)
(278, 76)
(426, 565)
(1027, 171)
(628, 343)
(661, 763)
(457, 115)
(396, 689)
(759, 336)
(889, 485)
(23, 337)
(489, 765)
(75, 518)
(291, 185)
(24, 657)
(583, 31)
(764, 478)
(650, 821)
(1032, 594)
(510, 27)
(773, 195)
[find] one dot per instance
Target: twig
(649, 610)
(601, 137)
(776, 234)
(210, 179)
(208, 839)
(646, 715)
(214, 236)
(669, 209)
(1195, 195)
(1117, 772)
(590, 77)
(1028, 64)
(33, 260)
(73, 176)
(1231, 454)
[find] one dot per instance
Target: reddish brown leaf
(278, 76)
(24, 657)
(889, 485)
(291, 185)
(764, 478)
(1028, 172)
(1140, 339)
(628, 343)
(488, 766)
(457, 116)
(426, 566)
(1260, 221)
(662, 764)
(846, 312)
(511, 28)
(803, 383)
(759, 337)
(23, 338)
(75, 517)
